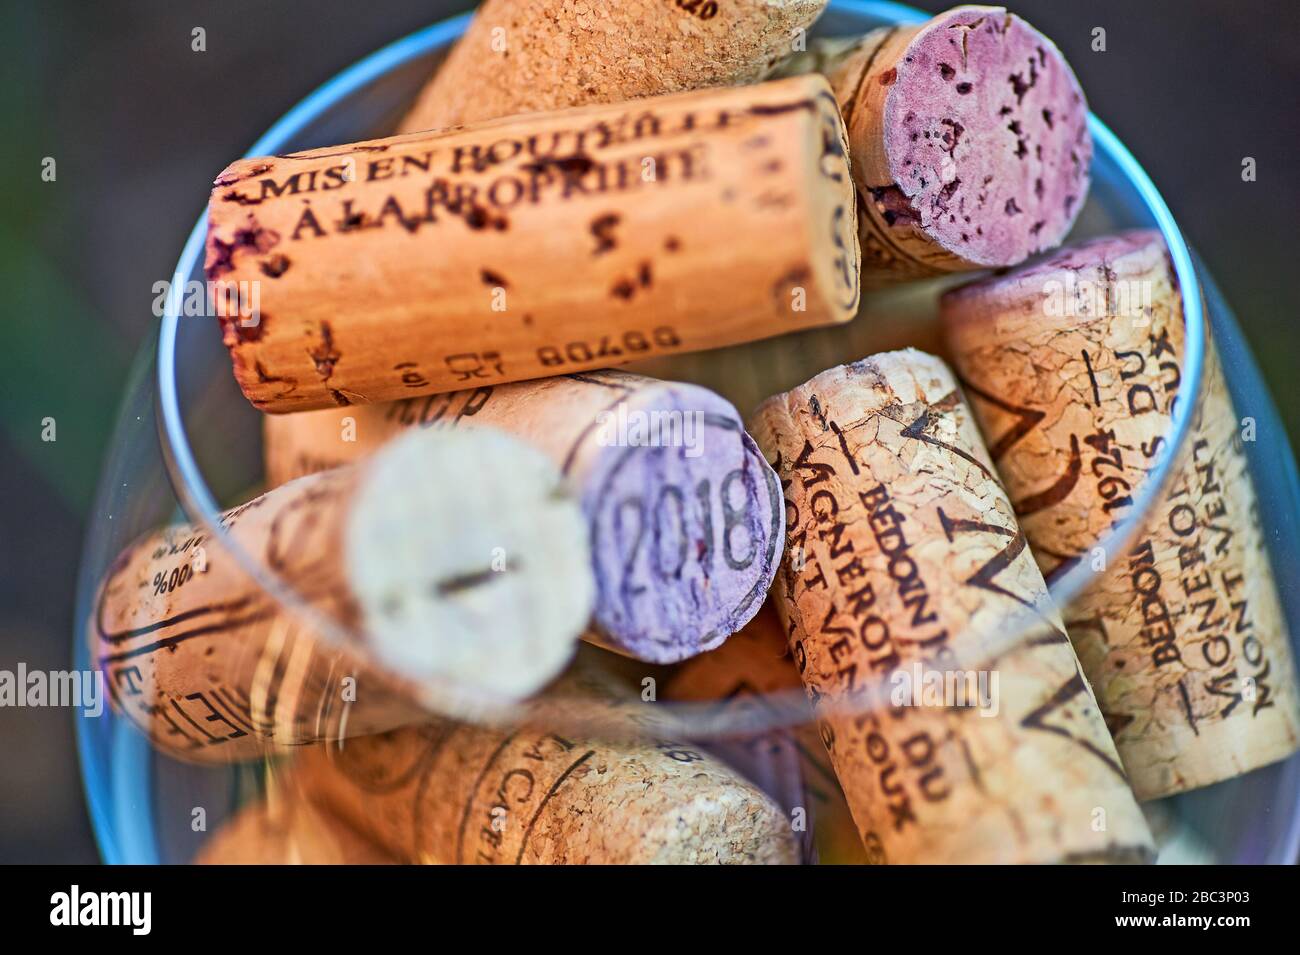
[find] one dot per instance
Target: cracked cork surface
(969, 141)
(455, 793)
(523, 56)
(684, 515)
(1073, 366)
(902, 549)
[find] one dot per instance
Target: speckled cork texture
(753, 672)
(684, 515)
(285, 829)
(458, 794)
(902, 550)
(522, 56)
(969, 141)
(532, 247)
(1073, 366)
(213, 668)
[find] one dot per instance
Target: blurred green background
(138, 124)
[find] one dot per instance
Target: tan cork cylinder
(659, 468)
(286, 829)
(1073, 367)
(912, 556)
(524, 56)
(460, 794)
(904, 315)
(531, 247)
(213, 668)
(968, 137)
(746, 672)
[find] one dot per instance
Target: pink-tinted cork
(986, 133)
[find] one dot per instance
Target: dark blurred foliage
(139, 124)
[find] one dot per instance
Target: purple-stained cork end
(986, 133)
(687, 523)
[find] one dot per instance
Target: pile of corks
(471, 514)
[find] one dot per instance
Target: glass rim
(697, 719)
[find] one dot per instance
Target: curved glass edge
(201, 506)
(188, 484)
(102, 779)
(193, 491)
(1073, 582)
(1276, 477)
(882, 10)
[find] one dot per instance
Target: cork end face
(686, 523)
(717, 818)
(838, 264)
(1236, 753)
(499, 613)
(233, 228)
(897, 377)
(1063, 284)
(908, 374)
(986, 134)
(236, 301)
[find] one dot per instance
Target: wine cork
(523, 56)
(430, 262)
(286, 829)
(462, 794)
(749, 672)
(907, 567)
(1074, 366)
(900, 316)
(969, 140)
(684, 516)
(442, 585)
